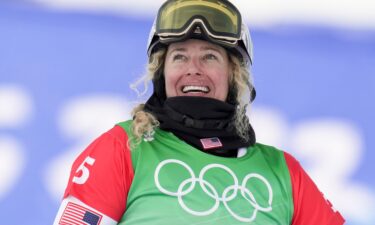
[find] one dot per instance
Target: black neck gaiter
(195, 118)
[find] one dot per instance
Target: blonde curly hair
(144, 123)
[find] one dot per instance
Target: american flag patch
(209, 143)
(75, 214)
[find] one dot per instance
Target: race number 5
(85, 171)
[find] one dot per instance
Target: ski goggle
(218, 19)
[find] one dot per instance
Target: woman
(189, 155)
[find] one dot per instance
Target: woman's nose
(194, 67)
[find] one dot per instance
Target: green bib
(175, 183)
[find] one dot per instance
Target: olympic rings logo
(210, 190)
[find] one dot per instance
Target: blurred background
(66, 67)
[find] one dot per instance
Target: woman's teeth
(192, 88)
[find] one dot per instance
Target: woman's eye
(178, 57)
(210, 57)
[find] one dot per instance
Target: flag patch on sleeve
(209, 143)
(79, 215)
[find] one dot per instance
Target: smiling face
(196, 68)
